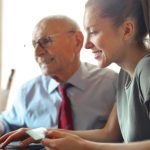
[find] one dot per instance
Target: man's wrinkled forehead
(48, 27)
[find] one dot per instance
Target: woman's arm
(110, 133)
(65, 141)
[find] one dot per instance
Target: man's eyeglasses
(46, 42)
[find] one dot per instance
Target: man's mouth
(45, 60)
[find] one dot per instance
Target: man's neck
(65, 75)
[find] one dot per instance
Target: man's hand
(17, 135)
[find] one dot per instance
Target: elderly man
(57, 41)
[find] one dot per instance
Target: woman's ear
(128, 29)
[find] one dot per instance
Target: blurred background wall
(17, 20)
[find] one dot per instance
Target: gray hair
(61, 18)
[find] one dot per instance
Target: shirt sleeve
(13, 118)
(144, 79)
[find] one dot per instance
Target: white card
(37, 134)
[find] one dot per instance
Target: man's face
(55, 48)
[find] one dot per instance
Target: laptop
(15, 146)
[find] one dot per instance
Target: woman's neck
(132, 59)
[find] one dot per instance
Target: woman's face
(103, 38)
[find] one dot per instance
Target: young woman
(116, 33)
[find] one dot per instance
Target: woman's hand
(59, 140)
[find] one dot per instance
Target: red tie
(65, 113)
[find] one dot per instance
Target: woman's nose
(88, 45)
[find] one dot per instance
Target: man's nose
(39, 50)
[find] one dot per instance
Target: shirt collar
(78, 79)
(53, 84)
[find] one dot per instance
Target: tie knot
(63, 88)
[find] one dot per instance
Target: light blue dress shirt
(92, 94)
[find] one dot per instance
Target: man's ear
(79, 38)
(128, 28)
